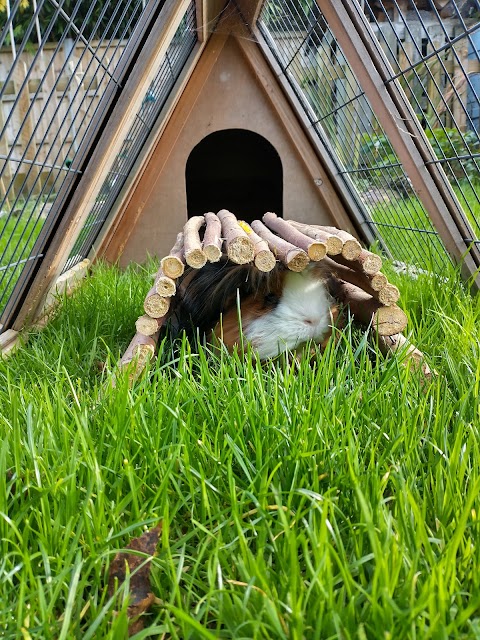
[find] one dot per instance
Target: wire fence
(49, 95)
(51, 103)
(437, 60)
(299, 37)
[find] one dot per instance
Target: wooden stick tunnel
(363, 289)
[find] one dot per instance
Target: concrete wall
(232, 98)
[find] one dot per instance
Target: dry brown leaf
(141, 597)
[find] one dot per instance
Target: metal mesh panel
(56, 62)
(176, 56)
(301, 41)
(436, 58)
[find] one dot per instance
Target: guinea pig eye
(271, 300)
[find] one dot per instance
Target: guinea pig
(275, 312)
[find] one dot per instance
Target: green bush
(376, 151)
(452, 143)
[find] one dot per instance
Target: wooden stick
(351, 246)
(315, 249)
(378, 281)
(156, 306)
(139, 345)
(192, 244)
(292, 257)
(387, 295)
(264, 259)
(173, 265)
(393, 343)
(140, 350)
(164, 285)
(212, 239)
(148, 326)
(333, 243)
(370, 312)
(239, 247)
(366, 261)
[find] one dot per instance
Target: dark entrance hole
(236, 170)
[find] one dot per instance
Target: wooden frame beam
(131, 207)
(250, 10)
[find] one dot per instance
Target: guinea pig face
(301, 314)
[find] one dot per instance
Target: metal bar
(435, 52)
(78, 31)
(374, 167)
(14, 264)
(342, 106)
(453, 158)
(39, 164)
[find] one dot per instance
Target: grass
(332, 500)
(409, 234)
(17, 238)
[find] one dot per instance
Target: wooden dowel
(292, 257)
(315, 249)
(140, 350)
(164, 285)
(370, 312)
(155, 305)
(212, 239)
(264, 259)
(332, 242)
(378, 281)
(388, 344)
(387, 295)
(148, 326)
(351, 246)
(239, 247)
(173, 265)
(192, 244)
(366, 261)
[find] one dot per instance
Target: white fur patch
(302, 314)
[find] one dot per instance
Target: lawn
(332, 499)
(409, 234)
(17, 238)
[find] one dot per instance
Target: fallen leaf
(141, 597)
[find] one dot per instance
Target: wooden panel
(132, 208)
(9, 341)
